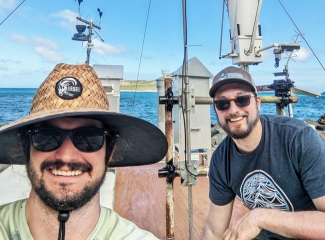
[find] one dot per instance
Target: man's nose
(67, 151)
(233, 107)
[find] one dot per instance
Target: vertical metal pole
(169, 161)
(258, 11)
(290, 111)
(89, 42)
(186, 106)
(279, 110)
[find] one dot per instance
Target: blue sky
(38, 34)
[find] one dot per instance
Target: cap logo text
(68, 88)
(235, 75)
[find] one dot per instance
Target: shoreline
(138, 90)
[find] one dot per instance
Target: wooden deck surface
(140, 196)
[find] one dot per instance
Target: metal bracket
(192, 100)
(188, 173)
(170, 171)
(282, 88)
(169, 100)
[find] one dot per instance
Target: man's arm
(217, 222)
(301, 225)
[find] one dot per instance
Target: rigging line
(302, 36)
(221, 34)
(185, 60)
(12, 12)
(144, 36)
(139, 105)
(81, 54)
(105, 61)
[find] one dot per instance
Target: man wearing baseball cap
(67, 142)
(274, 166)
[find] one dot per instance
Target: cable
(105, 61)
(144, 36)
(221, 34)
(183, 75)
(302, 35)
(12, 12)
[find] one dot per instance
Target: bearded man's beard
(69, 201)
(236, 134)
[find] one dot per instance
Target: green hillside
(140, 85)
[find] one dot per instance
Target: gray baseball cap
(231, 75)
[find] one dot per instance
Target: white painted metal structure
(111, 76)
(200, 123)
(245, 31)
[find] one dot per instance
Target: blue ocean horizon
(15, 103)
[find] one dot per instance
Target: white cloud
(40, 42)
(8, 4)
(302, 55)
(65, 14)
(18, 39)
(45, 48)
(49, 54)
(107, 49)
(68, 19)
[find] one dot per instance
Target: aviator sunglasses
(88, 139)
(240, 101)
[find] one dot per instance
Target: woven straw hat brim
(140, 142)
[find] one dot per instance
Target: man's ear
(258, 102)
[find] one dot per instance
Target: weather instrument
(80, 36)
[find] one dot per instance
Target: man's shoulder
(283, 121)
(13, 220)
(12, 207)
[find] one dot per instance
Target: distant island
(140, 85)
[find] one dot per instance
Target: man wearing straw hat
(273, 165)
(67, 142)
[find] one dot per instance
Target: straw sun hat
(76, 91)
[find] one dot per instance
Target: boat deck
(137, 194)
(140, 196)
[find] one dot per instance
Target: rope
(185, 121)
(221, 34)
(302, 36)
(144, 36)
(12, 12)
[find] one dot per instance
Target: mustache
(57, 164)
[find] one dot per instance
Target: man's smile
(66, 173)
(235, 119)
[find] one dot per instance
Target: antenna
(91, 27)
(79, 1)
(100, 15)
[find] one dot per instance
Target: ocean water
(15, 103)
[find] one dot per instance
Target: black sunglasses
(240, 101)
(88, 139)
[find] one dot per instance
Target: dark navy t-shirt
(286, 170)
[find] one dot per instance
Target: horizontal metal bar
(85, 21)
